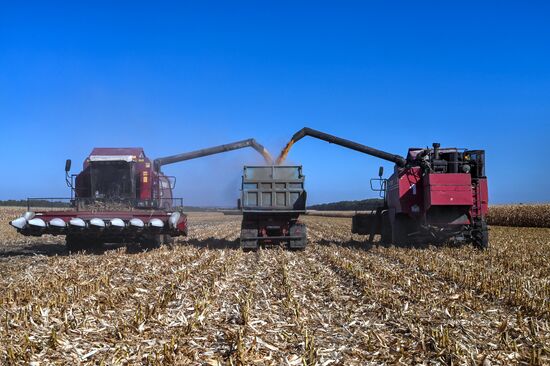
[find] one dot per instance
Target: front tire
(401, 229)
(480, 236)
(76, 244)
(386, 230)
(151, 242)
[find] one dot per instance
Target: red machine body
(437, 195)
(434, 194)
(117, 197)
(124, 174)
(411, 193)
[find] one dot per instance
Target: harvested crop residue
(341, 301)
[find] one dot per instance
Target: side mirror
(68, 165)
(381, 171)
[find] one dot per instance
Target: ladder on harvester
(476, 207)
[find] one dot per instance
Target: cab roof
(118, 151)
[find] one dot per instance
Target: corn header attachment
(120, 196)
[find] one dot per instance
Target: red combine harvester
(120, 196)
(434, 195)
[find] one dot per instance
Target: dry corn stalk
(339, 302)
(535, 215)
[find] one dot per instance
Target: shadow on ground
(31, 249)
(59, 249)
(50, 250)
(366, 245)
(213, 243)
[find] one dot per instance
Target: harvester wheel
(401, 230)
(74, 245)
(151, 242)
(168, 240)
(77, 244)
(386, 236)
(481, 237)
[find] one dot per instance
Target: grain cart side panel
(272, 199)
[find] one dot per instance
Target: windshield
(112, 179)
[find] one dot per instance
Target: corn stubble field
(341, 301)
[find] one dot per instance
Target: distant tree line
(204, 209)
(35, 203)
(362, 205)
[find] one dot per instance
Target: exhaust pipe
(436, 146)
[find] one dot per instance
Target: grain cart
(273, 197)
(434, 194)
(120, 196)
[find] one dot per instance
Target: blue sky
(173, 77)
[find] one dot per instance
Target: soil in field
(341, 301)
